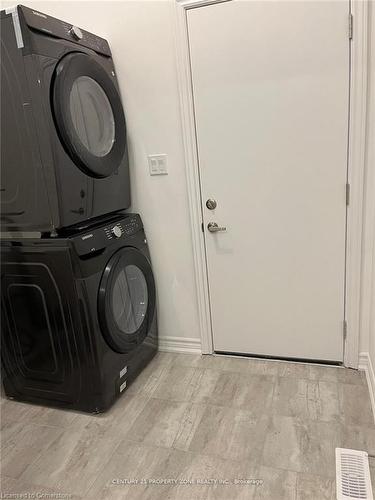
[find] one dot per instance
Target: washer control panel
(132, 225)
(125, 227)
(76, 33)
(117, 231)
(61, 29)
(97, 238)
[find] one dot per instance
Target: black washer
(78, 314)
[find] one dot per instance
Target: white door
(270, 83)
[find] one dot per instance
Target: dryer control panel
(61, 29)
(103, 236)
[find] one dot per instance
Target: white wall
(141, 35)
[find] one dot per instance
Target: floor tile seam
(255, 466)
(45, 451)
(303, 418)
(39, 425)
(269, 413)
(341, 401)
(147, 398)
(252, 413)
(160, 379)
(35, 459)
(145, 445)
(94, 474)
(54, 426)
(216, 405)
(318, 380)
(101, 469)
(278, 376)
(36, 483)
(324, 476)
(185, 451)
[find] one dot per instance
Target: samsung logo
(39, 14)
(87, 236)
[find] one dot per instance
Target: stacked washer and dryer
(78, 310)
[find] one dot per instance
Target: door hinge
(350, 27)
(345, 329)
(347, 194)
(202, 227)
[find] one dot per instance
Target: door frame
(356, 172)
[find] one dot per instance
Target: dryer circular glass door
(88, 114)
(126, 301)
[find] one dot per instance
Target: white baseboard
(365, 363)
(180, 344)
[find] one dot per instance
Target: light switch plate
(158, 164)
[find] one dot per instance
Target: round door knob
(76, 33)
(116, 231)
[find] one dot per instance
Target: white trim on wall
(192, 171)
(180, 344)
(366, 365)
(356, 165)
(367, 330)
(356, 172)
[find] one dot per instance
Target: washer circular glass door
(126, 301)
(92, 116)
(88, 114)
(129, 299)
